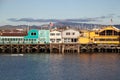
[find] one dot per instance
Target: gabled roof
(109, 28)
(117, 26)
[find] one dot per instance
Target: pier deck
(59, 48)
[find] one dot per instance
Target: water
(60, 67)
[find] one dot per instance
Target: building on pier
(44, 37)
(12, 36)
(55, 36)
(105, 35)
(70, 36)
(84, 38)
(32, 37)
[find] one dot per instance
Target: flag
(51, 24)
(111, 20)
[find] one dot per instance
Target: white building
(55, 37)
(70, 36)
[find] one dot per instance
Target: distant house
(70, 36)
(55, 37)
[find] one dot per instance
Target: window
(108, 32)
(2, 39)
(52, 34)
(13, 39)
(21, 39)
(96, 39)
(116, 33)
(42, 39)
(68, 33)
(58, 40)
(33, 33)
(26, 39)
(52, 40)
(102, 33)
(29, 39)
(115, 39)
(65, 39)
(101, 39)
(69, 40)
(34, 39)
(96, 32)
(73, 33)
(16, 39)
(109, 39)
(91, 39)
(57, 34)
(74, 40)
(5, 39)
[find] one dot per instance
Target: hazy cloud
(95, 19)
(51, 20)
(106, 17)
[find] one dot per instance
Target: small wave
(17, 54)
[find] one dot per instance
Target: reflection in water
(60, 67)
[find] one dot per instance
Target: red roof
(15, 33)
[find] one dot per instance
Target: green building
(43, 36)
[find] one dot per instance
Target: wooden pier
(59, 48)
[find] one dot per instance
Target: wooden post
(59, 48)
(78, 48)
(118, 50)
(11, 47)
(37, 48)
(63, 46)
(50, 48)
(23, 49)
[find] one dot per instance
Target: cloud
(51, 20)
(94, 19)
(106, 17)
(32, 20)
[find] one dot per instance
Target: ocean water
(83, 66)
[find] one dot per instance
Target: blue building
(32, 37)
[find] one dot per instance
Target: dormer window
(33, 33)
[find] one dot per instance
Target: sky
(37, 12)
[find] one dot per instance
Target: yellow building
(106, 35)
(84, 37)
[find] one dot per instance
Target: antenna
(111, 22)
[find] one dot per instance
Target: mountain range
(58, 25)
